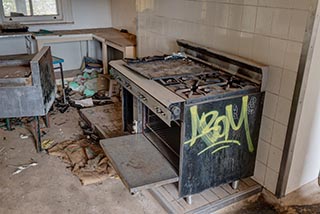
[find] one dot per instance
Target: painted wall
(86, 14)
(268, 31)
(124, 15)
(306, 154)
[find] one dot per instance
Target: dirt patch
(261, 206)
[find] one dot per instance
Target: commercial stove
(195, 118)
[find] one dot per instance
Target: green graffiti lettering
(211, 127)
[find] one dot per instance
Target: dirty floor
(303, 201)
(50, 187)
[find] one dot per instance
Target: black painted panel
(220, 142)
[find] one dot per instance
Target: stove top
(206, 84)
(190, 78)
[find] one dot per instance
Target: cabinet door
(43, 76)
(219, 142)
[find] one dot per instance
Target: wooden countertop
(106, 34)
(12, 35)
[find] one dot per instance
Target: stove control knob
(127, 85)
(163, 114)
(175, 110)
(143, 98)
(158, 110)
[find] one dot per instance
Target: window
(36, 11)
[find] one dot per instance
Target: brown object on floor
(86, 160)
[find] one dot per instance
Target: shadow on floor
(262, 207)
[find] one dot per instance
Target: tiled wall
(268, 31)
(124, 15)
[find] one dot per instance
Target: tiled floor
(207, 201)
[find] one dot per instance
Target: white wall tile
(210, 15)
(267, 31)
(280, 23)
(270, 105)
(245, 2)
(246, 45)
(274, 159)
(191, 11)
(288, 83)
(271, 180)
(264, 20)
(274, 79)
(220, 38)
(302, 4)
(233, 40)
(292, 57)
(298, 25)
(221, 15)
(283, 110)
(276, 3)
(263, 151)
(249, 15)
(278, 135)
(235, 17)
(277, 52)
(266, 129)
(260, 172)
(261, 46)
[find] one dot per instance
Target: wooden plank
(242, 186)
(197, 201)
(249, 181)
(172, 189)
(221, 193)
(228, 188)
(219, 204)
(138, 163)
(169, 207)
(165, 193)
(209, 195)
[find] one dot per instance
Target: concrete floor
(50, 187)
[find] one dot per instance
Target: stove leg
(235, 184)
(38, 134)
(189, 199)
(8, 124)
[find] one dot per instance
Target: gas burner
(168, 81)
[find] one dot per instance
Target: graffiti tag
(211, 127)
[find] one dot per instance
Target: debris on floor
(20, 168)
(47, 144)
(261, 206)
(86, 160)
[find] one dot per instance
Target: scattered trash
(89, 65)
(86, 160)
(85, 102)
(23, 136)
(88, 92)
(23, 167)
(47, 144)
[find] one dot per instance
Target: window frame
(63, 9)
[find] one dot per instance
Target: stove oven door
(138, 163)
(219, 142)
